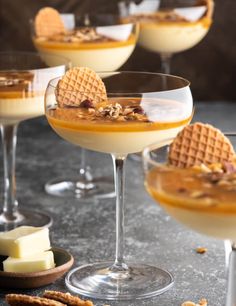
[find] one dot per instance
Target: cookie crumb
(201, 250)
(202, 302)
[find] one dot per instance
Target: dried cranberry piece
(138, 110)
(87, 104)
(229, 167)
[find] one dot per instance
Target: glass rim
(109, 73)
(146, 156)
(65, 60)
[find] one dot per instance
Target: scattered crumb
(201, 250)
(202, 302)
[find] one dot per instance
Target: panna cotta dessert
(119, 125)
(198, 184)
(172, 30)
(18, 98)
(102, 48)
(91, 118)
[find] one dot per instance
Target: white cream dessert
(203, 201)
(18, 100)
(173, 30)
(104, 48)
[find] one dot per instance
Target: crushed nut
(127, 113)
(217, 167)
(198, 194)
(201, 250)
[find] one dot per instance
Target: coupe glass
(23, 81)
(195, 213)
(169, 26)
(162, 106)
(108, 55)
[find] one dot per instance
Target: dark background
(210, 66)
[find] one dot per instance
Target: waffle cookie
(48, 22)
(66, 298)
(27, 300)
(198, 144)
(80, 84)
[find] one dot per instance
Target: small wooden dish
(11, 280)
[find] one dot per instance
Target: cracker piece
(198, 144)
(48, 22)
(78, 85)
(27, 300)
(66, 298)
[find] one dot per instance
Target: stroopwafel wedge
(78, 85)
(27, 300)
(198, 144)
(66, 298)
(48, 22)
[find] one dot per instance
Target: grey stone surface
(87, 229)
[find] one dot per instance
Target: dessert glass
(218, 205)
(101, 43)
(157, 106)
(23, 80)
(169, 27)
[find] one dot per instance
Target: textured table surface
(87, 229)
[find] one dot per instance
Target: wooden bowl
(63, 261)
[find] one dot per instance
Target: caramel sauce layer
(193, 189)
(84, 45)
(115, 115)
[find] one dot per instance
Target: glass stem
(85, 176)
(10, 204)
(165, 62)
(228, 250)
(119, 174)
(231, 292)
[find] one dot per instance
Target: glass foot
(98, 281)
(102, 187)
(25, 217)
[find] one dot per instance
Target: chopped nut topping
(78, 36)
(201, 250)
(87, 34)
(119, 113)
(160, 16)
(112, 111)
(11, 82)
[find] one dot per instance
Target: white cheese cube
(24, 241)
(33, 263)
